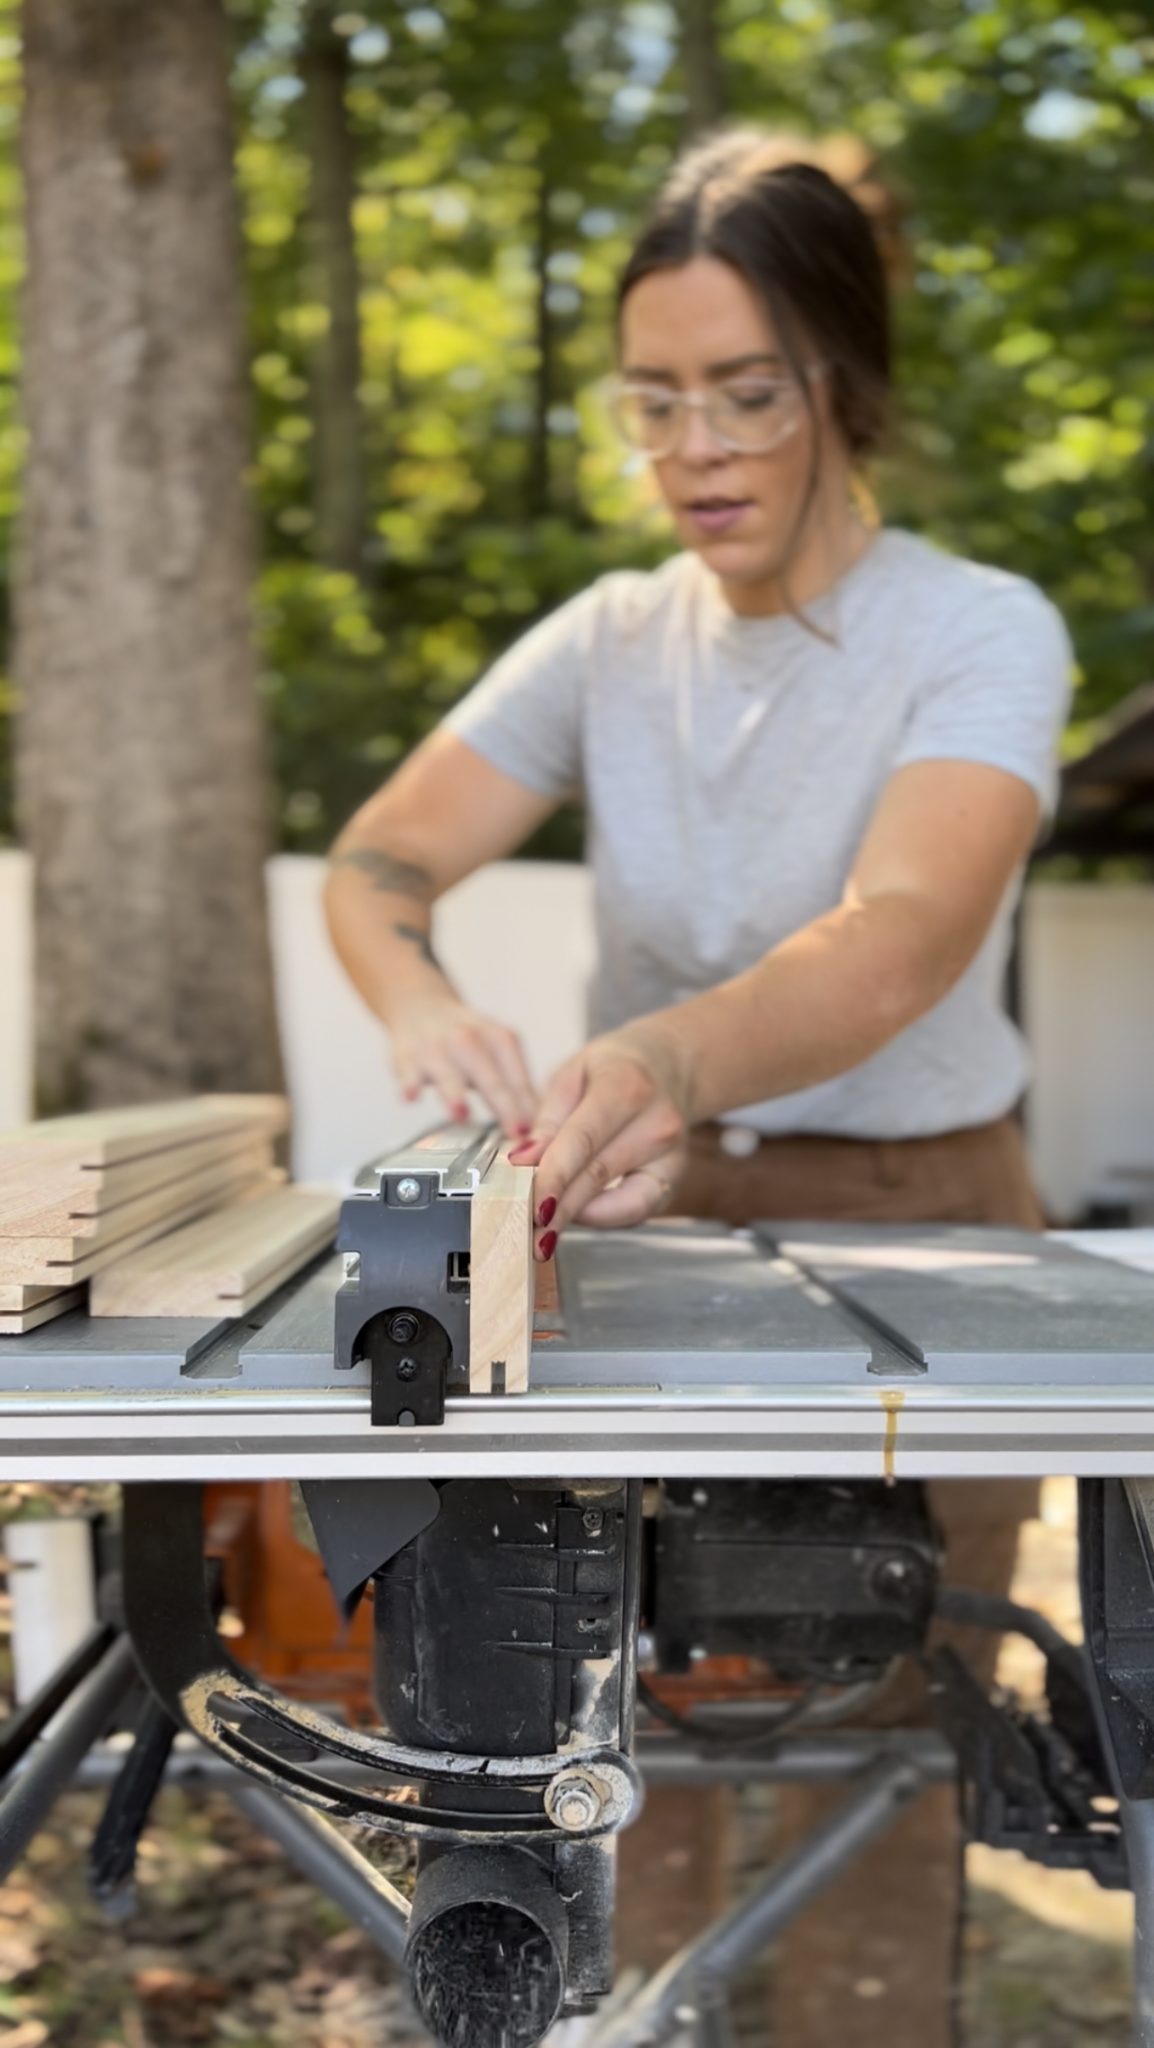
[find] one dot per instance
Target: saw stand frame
(688, 2001)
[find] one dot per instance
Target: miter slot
(892, 1353)
(111, 1354)
(989, 1306)
(692, 1304)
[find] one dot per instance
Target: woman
(815, 756)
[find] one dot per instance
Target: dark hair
(802, 244)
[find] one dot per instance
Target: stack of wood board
(25, 1308)
(79, 1192)
(224, 1264)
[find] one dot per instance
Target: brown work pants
(872, 1960)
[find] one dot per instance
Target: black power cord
(711, 1739)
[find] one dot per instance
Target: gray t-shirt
(730, 767)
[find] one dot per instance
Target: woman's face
(701, 328)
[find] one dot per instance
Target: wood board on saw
(53, 1302)
(68, 1261)
(501, 1278)
(53, 1161)
(224, 1264)
(107, 1192)
(73, 1188)
(79, 1237)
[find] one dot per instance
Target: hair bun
(742, 154)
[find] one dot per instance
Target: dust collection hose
(488, 1949)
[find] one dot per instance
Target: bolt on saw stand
(508, 1611)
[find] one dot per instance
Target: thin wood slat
(69, 1272)
(20, 1321)
(501, 1281)
(103, 1190)
(55, 1155)
(74, 1236)
(15, 1297)
(226, 1263)
(33, 1258)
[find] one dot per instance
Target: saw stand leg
(1138, 1821)
(687, 2001)
(1116, 1546)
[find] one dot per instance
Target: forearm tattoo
(391, 876)
(421, 940)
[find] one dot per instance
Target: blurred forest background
(436, 199)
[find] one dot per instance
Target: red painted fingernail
(548, 1244)
(522, 1130)
(547, 1211)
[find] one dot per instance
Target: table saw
(639, 1504)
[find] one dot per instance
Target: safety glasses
(748, 415)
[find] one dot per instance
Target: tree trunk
(339, 468)
(702, 66)
(142, 787)
(540, 472)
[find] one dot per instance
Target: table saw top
(679, 1350)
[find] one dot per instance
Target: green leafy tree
(498, 157)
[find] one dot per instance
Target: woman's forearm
(443, 815)
(379, 903)
(379, 909)
(822, 1002)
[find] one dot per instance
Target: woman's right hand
(439, 1042)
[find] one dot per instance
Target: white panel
(53, 1582)
(516, 940)
(1088, 997)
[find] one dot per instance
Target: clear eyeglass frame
(752, 436)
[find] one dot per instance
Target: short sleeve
(525, 714)
(1000, 690)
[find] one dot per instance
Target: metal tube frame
(1138, 1824)
(663, 1760)
(690, 1990)
(330, 1862)
(34, 1790)
(25, 1723)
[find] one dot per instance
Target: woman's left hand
(608, 1139)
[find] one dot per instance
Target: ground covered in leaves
(230, 1945)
